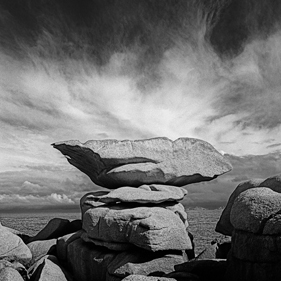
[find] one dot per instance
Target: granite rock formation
(256, 239)
(224, 224)
(113, 163)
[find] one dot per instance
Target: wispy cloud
(63, 76)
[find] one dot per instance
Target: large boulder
(256, 208)
(113, 163)
(12, 248)
(224, 226)
(150, 228)
(90, 262)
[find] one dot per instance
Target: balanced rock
(224, 225)
(150, 228)
(113, 163)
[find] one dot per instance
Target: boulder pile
(137, 229)
(253, 218)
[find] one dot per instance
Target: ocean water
(202, 223)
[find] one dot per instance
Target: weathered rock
(150, 228)
(224, 225)
(91, 262)
(145, 194)
(10, 274)
(253, 208)
(113, 163)
(64, 241)
(25, 238)
(91, 200)
(206, 270)
(256, 248)
(50, 270)
(55, 228)
(41, 248)
(12, 247)
(15, 265)
(146, 278)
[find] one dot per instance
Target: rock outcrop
(256, 239)
(224, 225)
(113, 163)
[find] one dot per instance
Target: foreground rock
(224, 226)
(88, 261)
(12, 248)
(10, 274)
(113, 163)
(255, 253)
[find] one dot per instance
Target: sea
(202, 223)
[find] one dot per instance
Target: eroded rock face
(224, 225)
(113, 163)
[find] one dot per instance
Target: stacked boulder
(253, 218)
(138, 228)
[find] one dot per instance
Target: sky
(131, 69)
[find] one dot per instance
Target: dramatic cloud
(135, 69)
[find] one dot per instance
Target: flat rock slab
(113, 163)
(150, 228)
(92, 200)
(153, 194)
(224, 225)
(256, 208)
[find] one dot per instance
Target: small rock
(41, 248)
(55, 228)
(12, 247)
(50, 270)
(206, 270)
(10, 274)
